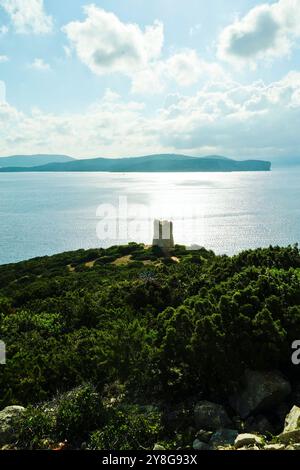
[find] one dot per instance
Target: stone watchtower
(163, 235)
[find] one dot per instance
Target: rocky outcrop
(291, 432)
(214, 427)
(289, 439)
(246, 439)
(211, 416)
(292, 421)
(293, 447)
(274, 447)
(262, 391)
(261, 407)
(8, 419)
(158, 447)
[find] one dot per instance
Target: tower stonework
(163, 235)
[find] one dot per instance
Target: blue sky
(116, 77)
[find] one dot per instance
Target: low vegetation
(100, 352)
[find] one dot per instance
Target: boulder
(251, 440)
(291, 432)
(204, 436)
(274, 447)
(289, 437)
(7, 447)
(8, 419)
(293, 447)
(247, 448)
(211, 416)
(198, 445)
(262, 391)
(223, 437)
(158, 447)
(292, 420)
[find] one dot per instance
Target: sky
(120, 78)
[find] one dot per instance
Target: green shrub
(78, 413)
(128, 428)
(36, 428)
(68, 418)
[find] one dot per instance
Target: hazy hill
(151, 163)
(32, 160)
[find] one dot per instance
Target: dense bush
(129, 427)
(69, 418)
(164, 330)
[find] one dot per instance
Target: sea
(47, 213)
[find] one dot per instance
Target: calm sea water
(42, 214)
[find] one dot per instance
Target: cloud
(150, 80)
(102, 129)
(3, 58)
(105, 44)
(40, 64)
(184, 68)
(28, 16)
(266, 32)
(187, 67)
(257, 121)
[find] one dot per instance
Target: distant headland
(150, 163)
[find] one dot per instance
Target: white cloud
(108, 127)
(266, 32)
(106, 45)
(185, 68)
(40, 64)
(28, 16)
(3, 58)
(149, 81)
(256, 120)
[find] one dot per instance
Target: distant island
(32, 160)
(149, 163)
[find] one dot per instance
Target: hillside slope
(121, 347)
